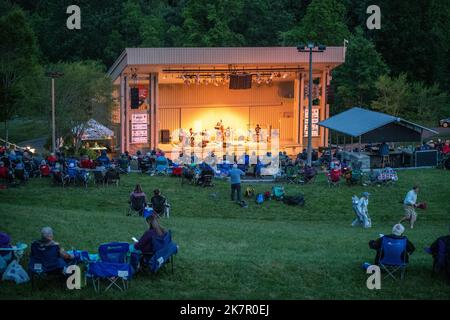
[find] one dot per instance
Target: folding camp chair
(112, 176)
(113, 267)
(161, 206)
(58, 177)
(393, 256)
(165, 250)
(137, 204)
(99, 177)
(124, 164)
(334, 178)
(45, 261)
(291, 174)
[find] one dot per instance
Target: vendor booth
(97, 136)
(372, 135)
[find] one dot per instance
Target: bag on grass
(243, 204)
(267, 195)
(298, 200)
(249, 192)
(16, 273)
(259, 198)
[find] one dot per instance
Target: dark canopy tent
(373, 126)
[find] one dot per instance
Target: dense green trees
(18, 64)
(411, 51)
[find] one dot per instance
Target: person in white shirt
(409, 205)
(360, 206)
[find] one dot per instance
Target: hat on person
(398, 229)
(365, 194)
(148, 212)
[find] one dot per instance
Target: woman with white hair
(47, 239)
(397, 233)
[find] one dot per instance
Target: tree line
(401, 69)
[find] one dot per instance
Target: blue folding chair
(164, 252)
(393, 256)
(113, 266)
(45, 260)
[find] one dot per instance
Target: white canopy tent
(95, 131)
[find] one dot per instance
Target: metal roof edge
(116, 63)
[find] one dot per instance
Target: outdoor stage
(165, 97)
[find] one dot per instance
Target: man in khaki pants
(409, 205)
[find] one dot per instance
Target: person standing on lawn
(235, 180)
(409, 205)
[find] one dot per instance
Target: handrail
(9, 144)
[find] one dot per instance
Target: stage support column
(323, 107)
(123, 113)
(154, 120)
(301, 110)
(127, 114)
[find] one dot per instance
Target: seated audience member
(145, 243)
(44, 169)
(158, 202)
(12, 156)
(161, 160)
(440, 250)
(85, 162)
(5, 243)
(4, 172)
(51, 159)
(103, 159)
(206, 170)
(397, 233)
(446, 147)
(138, 193)
(47, 239)
(309, 173)
(124, 162)
(424, 147)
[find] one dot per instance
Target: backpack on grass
(249, 192)
(278, 192)
(259, 198)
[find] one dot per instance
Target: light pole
(310, 48)
(53, 75)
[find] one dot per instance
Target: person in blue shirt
(235, 180)
(103, 159)
(384, 149)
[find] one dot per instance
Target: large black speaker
(134, 98)
(240, 81)
(164, 136)
(330, 94)
(426, 158)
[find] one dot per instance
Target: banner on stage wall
(139, 128)
(315, 121)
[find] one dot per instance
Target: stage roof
(223, 56)
(374, 126)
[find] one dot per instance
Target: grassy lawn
(270, 251)
(24, 129)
